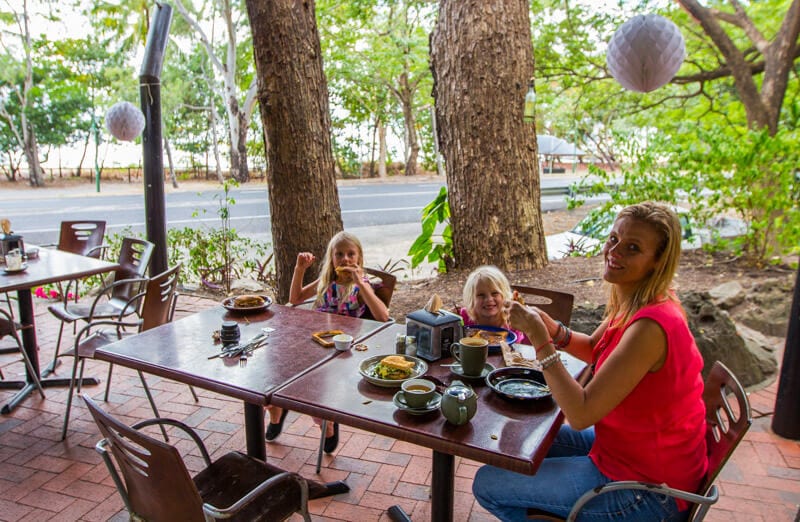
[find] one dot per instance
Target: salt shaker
(400, 344)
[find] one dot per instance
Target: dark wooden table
(49, 267)
(514, 435)
(179, 351)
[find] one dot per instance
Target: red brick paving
(42, 478)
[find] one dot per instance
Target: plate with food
(520, 384)
(390, 371)
(247, 303)
(495, 335)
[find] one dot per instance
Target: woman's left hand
(528, 320)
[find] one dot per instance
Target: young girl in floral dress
(341, 288)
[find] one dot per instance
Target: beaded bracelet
(550, 360)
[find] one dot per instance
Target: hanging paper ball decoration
(124, 121)
(645, 52)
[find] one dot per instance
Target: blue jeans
(565, 475)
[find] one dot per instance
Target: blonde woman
(641, 416)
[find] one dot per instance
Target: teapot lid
(460, 390)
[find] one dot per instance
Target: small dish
(519, 384)
(228, 303)
(458, 370)
(15, 270)
(367, 370)
(492, 334)
(399, 400)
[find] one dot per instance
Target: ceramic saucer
(399, 400)
(20, 269)
(458, 370)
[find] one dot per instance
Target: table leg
(254, 431)
(442, 484)
(28, 334)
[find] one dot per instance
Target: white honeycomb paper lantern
(124, 121)
(645, 52)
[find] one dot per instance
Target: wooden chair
(10, 328)
(728, 418)
(557, 305)
(114, 300)
(156, 486)
(158, 302)
(84, 238)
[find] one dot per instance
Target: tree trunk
(238, 150)
(436, 151)
(481, 59)
(383, 154)
(293, 97)
(35, 176)
(215, 142)
(172, 178)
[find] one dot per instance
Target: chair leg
(32, 372)
(152, 404)
(324, 428)
(191, 389)
(108, 381)
(69, 397)
(58, 344)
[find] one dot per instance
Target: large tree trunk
(238, 150)
(481, 59)
(293, 98)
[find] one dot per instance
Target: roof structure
(554, 146)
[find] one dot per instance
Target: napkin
(434, 304)
(512, 358)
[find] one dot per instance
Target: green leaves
(427, 246)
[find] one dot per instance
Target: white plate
(20, 269)
(367, 367)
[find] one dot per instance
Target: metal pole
(153, 157)
(786, 420)
(96, 132)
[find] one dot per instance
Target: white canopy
(553, 146)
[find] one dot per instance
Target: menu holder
(325, 338)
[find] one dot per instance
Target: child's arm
(297, 292)
(367, 296)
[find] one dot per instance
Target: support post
(152, 153)
(786, 420)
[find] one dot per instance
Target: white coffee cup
(13, 260)
(343, 342)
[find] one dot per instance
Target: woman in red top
(642, 416)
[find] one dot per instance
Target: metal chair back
(84, 238)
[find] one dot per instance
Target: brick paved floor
(42, 478)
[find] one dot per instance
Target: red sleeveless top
(657, 433)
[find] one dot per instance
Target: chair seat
(97, 339)
(79, 311)
(242, 474)
(7, 327)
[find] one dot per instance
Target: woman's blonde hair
(657, 286)
(327, 272)
(488, 273)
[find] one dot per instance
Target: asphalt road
(385, 216)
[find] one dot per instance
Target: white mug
(13, 260)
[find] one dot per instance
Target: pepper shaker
(400, 344)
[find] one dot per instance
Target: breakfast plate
(230, 305)
(493, 334)
(368, 370)
(517, 383)
(399, 401)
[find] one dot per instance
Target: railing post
(152, 152)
